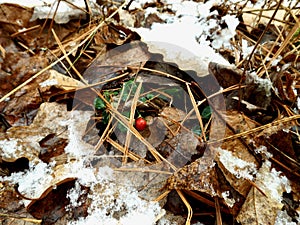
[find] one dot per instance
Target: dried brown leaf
(198, 176)
(237, 152)
(226, 75)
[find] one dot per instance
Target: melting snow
(272, 182)
(237, 166)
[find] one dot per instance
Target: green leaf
(206, 113)
(99, 104)
(106, 117)
(143, 99)
(150, 96)
(297, 33)
(126, 113)
(121, 127)
(173, 91)
(197, 130)
(129, 88)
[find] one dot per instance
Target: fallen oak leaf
(198, 176)
(259, 209)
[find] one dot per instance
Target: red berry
(140, 124)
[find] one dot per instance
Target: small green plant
(206, 113)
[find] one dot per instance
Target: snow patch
(284, 219)
(77, 147)
(229, 201)
(9, 148)
(48, 83)
(114, 204)
(272, 182)
(237, 166)
(263, 151)
(34, 181)
(65, 11)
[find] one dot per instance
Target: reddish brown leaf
(52, 146)
(51, 206)
(226, 76)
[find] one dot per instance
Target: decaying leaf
(114, 34)
(199, 176)
(234, 158)
(52, 146)
(24, 141)
(52, 204)
(262, 209)
(107, 65)
(32, 95)
(285, 91)
(226, 75)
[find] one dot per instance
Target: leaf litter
(116, 175)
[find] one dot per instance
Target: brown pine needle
(31, 220)
(131, 118)
(131, 155)
(188, 206)
(218, 211)
(162, 196)
(196, 111)
(257, 129)
(91, 34)
(67, 57)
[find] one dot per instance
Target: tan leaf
(233, 158)
(198, 176)
(260, 209)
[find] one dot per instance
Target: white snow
(65, 12)
(76, 147)
(246, 50)
(229, 201)
(272, 182)
(263, 151)
(284, 219)
(9, 148)
(46, 8)
(237, 166)
(48, 83)
(33, 182)
(111, 200)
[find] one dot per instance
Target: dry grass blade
(12, 216)
(25, 47)
(23, 31)
(91, 34)
(105, 134)
(189, 208)
(282, 46)
(67, 57)
(260, 37)
(162, 196)
(257, 129)
(218, 211)
(131, 155)
(143, 170)
(196, 111)
(131, 118)
(158, 72)
(285, 167)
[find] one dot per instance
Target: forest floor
(150, 112)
